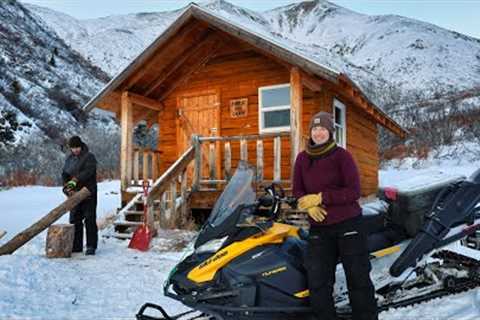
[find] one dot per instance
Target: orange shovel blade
(141, 239)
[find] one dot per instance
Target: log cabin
(220, 92)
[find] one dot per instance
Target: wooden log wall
(236, 75)
(362, 135)
(239, 75)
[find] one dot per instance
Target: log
(27, 234)
(277, 154)
(126, 148)
(296, 111)
(259, 160)
(183, 217)
(212, 161)
(154, 166)
(60, 241)
(173, 203)
(243, 150)
(228, 161)
(197, 163)
(136, 174)
(145, 165)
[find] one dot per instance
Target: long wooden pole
(126, 150)
(296, 110)
(27, 234)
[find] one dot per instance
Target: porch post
(127, 140)
(296, 109)
(159, 159)
(198, 163)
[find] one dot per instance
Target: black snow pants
(85, 210)
(326, 245)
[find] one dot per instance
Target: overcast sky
(458, 15)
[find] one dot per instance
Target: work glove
(67, 191)
(309, 201)
(318, 214)
(72, 184)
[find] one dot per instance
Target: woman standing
(327, 184)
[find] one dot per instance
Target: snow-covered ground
(113, 284)
(117, 281)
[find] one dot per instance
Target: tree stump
(60, 241)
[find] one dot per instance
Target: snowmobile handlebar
(273, 198)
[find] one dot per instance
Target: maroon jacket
(336, 177)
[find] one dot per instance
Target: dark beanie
(75, 142)
(323, 119)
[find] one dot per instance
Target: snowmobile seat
(376, 224)
(380, 233)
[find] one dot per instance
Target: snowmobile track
(456, 287)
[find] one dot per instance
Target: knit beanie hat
(323, 119)
(75, 142)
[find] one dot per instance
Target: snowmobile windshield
(238, 191)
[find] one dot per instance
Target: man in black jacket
(80, 170)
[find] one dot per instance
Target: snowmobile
(245, 264)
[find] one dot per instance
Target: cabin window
(339, 111)
(274, 108)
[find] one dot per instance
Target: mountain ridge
(379, 52)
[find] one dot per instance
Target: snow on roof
(250, 28)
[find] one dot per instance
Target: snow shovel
(143, 235)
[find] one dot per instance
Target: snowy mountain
(407, 52)
(43, 85)
(111, 42)
(386, 55)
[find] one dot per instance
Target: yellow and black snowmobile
(244, 264)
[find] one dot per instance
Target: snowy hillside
(379, 52)
(407, 52)
(110, 42)
(43, 85)
(40, 76)
(111, 285)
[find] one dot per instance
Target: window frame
(261, 110)
(340, 105)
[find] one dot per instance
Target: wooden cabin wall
(362, 142)
(239, 75)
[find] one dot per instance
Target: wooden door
(199, 113)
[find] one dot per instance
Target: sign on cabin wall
(239, 108)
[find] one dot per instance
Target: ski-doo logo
(213, 259)
(274, 271)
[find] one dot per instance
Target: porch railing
(218, 170)
(146, 165)
(168, 198)
(165, 189)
